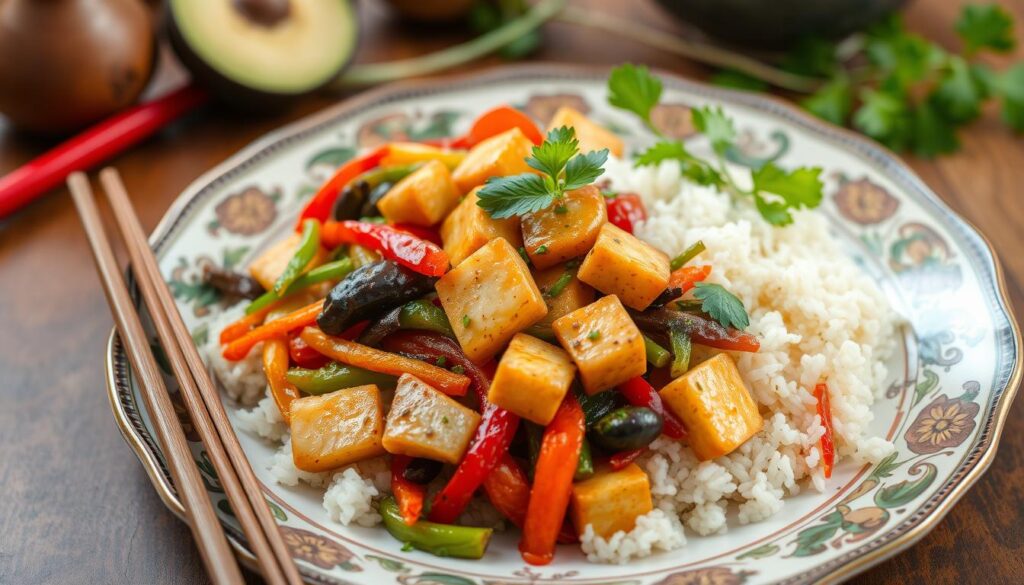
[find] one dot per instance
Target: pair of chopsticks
(199, 393)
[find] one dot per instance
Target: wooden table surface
(77, 507)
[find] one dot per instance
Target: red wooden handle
(92, 146)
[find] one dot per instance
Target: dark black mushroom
(351, 201)
(231, 285)
(373, 197)
(370, 291)
(381, 328)
(624, 429)
(422, 471)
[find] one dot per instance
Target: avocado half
(262, 54)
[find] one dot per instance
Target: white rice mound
(818, 316)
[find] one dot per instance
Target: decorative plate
(944, 406)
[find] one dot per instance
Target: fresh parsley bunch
(904, 90)
(562, 168)
(776, 192)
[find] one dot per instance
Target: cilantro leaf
(903, 58)
(832, 102)
(551, 156)
(634, 89)
(695, 169)
(503, 197)
(722, 305)
(959, 94)
(884, 117)
(811, 56)
(796, 189)
(1009, 86)
(985, 27)
(713, 123)
(584, 169)
(933, 133)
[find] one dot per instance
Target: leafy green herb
(561, 209)
(559, 285)
(465, 320)
(563, 168)
(594, 335)
(776, 191)
(541, 250)
(444, 420)
(633, 88)
(985, 27)
(441, 361)
(458, 370)
(722, 305)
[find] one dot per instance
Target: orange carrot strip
(275, 366)
(244, 325)
(240, 347)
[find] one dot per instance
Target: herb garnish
(775, 191)
(563, 169)
(722, 305)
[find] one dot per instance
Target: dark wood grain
(78, 508)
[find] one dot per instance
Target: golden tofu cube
(592, 136)
(532, 379)
(469, 227)
(498, 156)
(715, 405)
(489, 297)
(423, 422)
(407, 153)
(604, 342)
(611, 501)
(565, 230)
(337, 429)
(623, 265)
(424, 197)
(573, 296)
(271, 264)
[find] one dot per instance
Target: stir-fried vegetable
(230, 284)
(630, 427)
(408, 495)
(394, 244)
(828, 446)
(622, 459)
(422, 471)
(585, 463)
(307, 249)
(508, 489)
(355, 354)
(626, 210)
(702, 330)
(244, 325)
(331, 271)
(239, 348)
(356, 199)
(320, 206)
(688, 254)
(443, 540)
(304, 356)
(426, 316)
(597, 405)
(682, 346)
(501, 119)
(335, 376)
(424, 198)
(275, 367)
(639, 392)
(552, 483)
(657, 356)
(368, 292)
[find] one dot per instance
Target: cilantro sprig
(776, 192)
(562, 168)
(721, 305)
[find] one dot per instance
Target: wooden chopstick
(213, 546)
(211, 421)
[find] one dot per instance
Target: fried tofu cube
(565, 230)
(337, 429)
(469, 227)
(424, 197)
(611, 501)
(573, 296)
(498, 156)
(424, 422)
(715, 405)
(623, 265)
(592, 136)
(271, 264)
(489, 297)
(407, 153)
(532, 378)
(604, 342)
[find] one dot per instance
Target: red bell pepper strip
(493, 435)
(623, 458)
(509, 491)
(394, 244)
(626, 210)
(640, 393)
(687, 277)
(501, 119)
(552, 482)
(319, 207)
(713, 334)
(828, 446)
(298, 319)
(409, 495)
(305, 356)
(423, 233)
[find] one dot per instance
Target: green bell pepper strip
(308, 246)
(585, 464)
(361, 256)
(658, 356)
(335, 376)
(560, 284)
(687, 255)
(443, 540)
(681, 348)
(392, 174)
(426, 316)
(542, 332)
(330, 271)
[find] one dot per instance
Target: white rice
(243, 381)
(817, 315)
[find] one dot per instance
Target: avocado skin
(232, 93)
